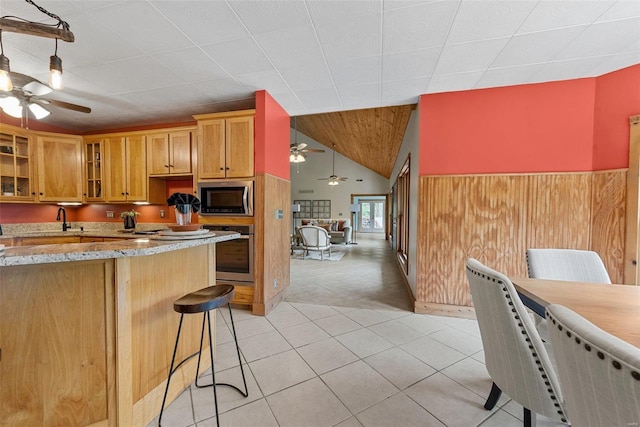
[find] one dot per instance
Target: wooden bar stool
(203, 301)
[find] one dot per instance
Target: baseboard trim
(448, 310)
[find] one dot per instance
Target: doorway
(372, 215)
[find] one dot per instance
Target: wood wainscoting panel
(156, 282)
(54, 344)
(272, 242)
(559, 212)
(608, 207)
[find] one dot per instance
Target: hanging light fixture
(296, 158)
(5, 80)
(11, 106)
(55, 71)
(38, 111)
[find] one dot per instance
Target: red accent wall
(272, 135)
(528, 128)
(617, 99)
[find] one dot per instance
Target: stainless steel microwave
(229, 198)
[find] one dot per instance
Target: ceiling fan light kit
(333, 178)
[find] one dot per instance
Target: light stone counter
(131, 245)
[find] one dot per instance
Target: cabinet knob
(227, 168)
(221, 169)
(122, 194)
(42, 194)
(166, 166)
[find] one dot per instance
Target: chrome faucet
(65, 226)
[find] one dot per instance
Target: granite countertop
(131, 245)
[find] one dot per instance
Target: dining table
(613, 308)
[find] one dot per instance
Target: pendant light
(55, 71)
(5, 80)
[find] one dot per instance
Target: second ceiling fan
(333, 178)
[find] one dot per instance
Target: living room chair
(599, 373)
(570, 265)
(315, 239)
(515, 356)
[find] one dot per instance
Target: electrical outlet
(109, 214)
(162, 213)
(275, 283)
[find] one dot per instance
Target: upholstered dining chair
(599, 373)
(566, 264)
(572, 265)
(315, 239)
(515, 356)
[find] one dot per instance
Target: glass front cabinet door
(93, 161)
(16, 168)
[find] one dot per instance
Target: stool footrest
(244, 393)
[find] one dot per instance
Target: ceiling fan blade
(66, 105)
(36, 88)
(21, 80)
(312, 150)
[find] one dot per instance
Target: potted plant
(129, 218)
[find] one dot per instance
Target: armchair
(315, 239)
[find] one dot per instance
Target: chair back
(599, 373)
(566, 264)
(514, 353)
(315, 237)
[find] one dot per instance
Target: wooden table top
(613, 308)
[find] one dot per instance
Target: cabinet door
(180, 152)
(136, 169)
(93, 158)
(158, 154)
(16, 167)
(211, 148)
(239, 147)
(116, 170)
(59, 169)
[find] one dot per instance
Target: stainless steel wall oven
(234, 258)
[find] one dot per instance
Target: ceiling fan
(297, 150)
(333, 178)
(28, 94)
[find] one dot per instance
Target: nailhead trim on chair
(524, 332)
(616, 364)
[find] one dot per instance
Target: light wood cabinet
(93, 171)
(226, 145)
(169, 153)
(16, 166)
(126, 169)
(45, 240)
(59, 168)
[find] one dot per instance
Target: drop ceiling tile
(464, 57)
(536, 47)
(569, 69)
(359, 37)
(357, 97)
(357, 71)
(219, 89)
(615, 62)
(454, 82)
(270, 80)
(404, 91)
(291, 47)
(620, 10)
(289, 102)
(422, 26)
(191, 64)
(204, 22)
(548, 15)
(262, 16)
(322, 100)
(409, 65)
(182, 95)
(238, 56)
(507, 76)
(399, 4)
(604, 38)
(26, 11)
(487, 19)
(307, 77)
(323, 12)
(153, 33)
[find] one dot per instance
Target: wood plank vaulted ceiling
(370, 137)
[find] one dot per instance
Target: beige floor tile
(358, 386)
(351, 422)
(473, 375)
(327, 355)
(226, 356)
(458, 340)
(423, 323)
(367, 317)
(310, 404)
(303, 334)
(286, 319)
(253, 414)
(263, 345)
(399, 367)
(178, 414)
(280, 371)
(432, 352)
(315, 311)
(502, 419)
(396, 332)
(398, 410)
(363, 342)
(252, 326)
(338, 324)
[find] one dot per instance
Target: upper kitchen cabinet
(59, 168)
(16, 166)
(93, 170)
(225, 145)
(126, 171)
(169, 153)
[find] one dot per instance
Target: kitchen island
(87, 329)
